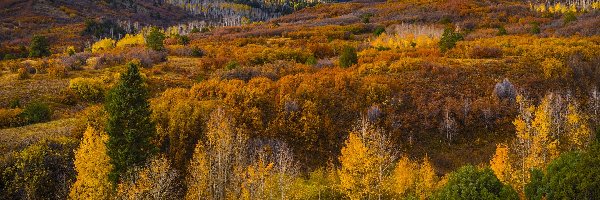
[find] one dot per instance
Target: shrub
(106, 60)
(468, 182)
(197, 52)
(486, 52)
(88, 89)
(311, 60)
(23, 73)
(535, 28)
(131, 40)
(70, 50)
(42, 66)
(231, 65)
(449, 39)
(505, 90)
(15, 103)
(103, 45)
(155, 39)
(67, 96)
(75, 61)
(502, 31)
(58, 72)
(39, 47)
(182, 39)
(569, 17)
(13, 65)
(146, 57)
(36, 112)
(573, 175)
(42, 170)
(554, 68)
(378, 31)
(348, 57)
(366, 18)
(10, 117)
(179, 50)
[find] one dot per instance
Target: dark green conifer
(129, 126)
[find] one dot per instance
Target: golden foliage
(89, 89)
(132, 40)
(358, 174)
(500, 163)
(198, 175)
(405, 176)
(578, 130)
(554, 68)
(156, 180)
(10, 117)
(427, 179)
(93, 166)
(103, 45)
(403, 42)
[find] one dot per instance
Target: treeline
(238, 12)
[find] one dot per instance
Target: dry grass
(14, 139)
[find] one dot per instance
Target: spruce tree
(39, 47)
(155, 39)
(129, 126)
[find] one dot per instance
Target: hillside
(455, 99)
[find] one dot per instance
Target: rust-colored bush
(485, 52)
(10, 117)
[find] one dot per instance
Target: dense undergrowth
(359, 100)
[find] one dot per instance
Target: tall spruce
(129, 126)
(155, 39)
(39, 47)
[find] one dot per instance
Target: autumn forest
(300, 99)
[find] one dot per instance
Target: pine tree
(129, 126)
(154, 39)
(449, 39)
(93, 166)
(39, 47)
(348, 57)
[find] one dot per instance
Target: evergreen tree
(469, 182)
(39, 47)
(154, 39)
(449, 39)
(348, 57)
(129, 126)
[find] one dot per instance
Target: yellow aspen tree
(156, 180)
(223, 159)
(500, 163)
(523, 142)
(358, 174)
(544, 146)
(93, 166)
(578, 131)
(198, 175)
(427, 180)
(375, 146)
(404, 176)
(255, 185)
